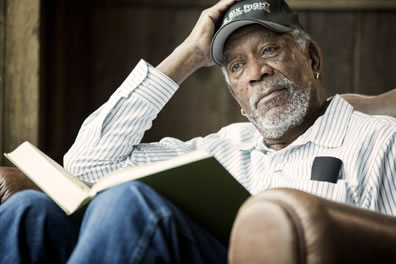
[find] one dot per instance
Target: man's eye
(235, 67)
(269, 50)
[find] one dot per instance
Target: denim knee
(130, 200)
(36, 229)
(30, 200)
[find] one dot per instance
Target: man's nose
(258, 69)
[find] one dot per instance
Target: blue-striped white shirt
(110, 139)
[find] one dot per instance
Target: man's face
(271, 78)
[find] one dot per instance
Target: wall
(19, 73)
(89, 47)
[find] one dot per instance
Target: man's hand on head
(202, 34)
(194, 52)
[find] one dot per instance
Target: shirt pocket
(342, 191)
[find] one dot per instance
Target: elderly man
(272, 69)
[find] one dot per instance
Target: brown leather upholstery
(13, 180)
(382, 104)
(290, 226)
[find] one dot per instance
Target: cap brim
(224, 32)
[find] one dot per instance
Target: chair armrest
(381, 104)
(12, 180)
(290, 226)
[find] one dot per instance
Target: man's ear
(316, 57)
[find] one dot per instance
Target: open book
(195, 182)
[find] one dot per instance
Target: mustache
(282, 83)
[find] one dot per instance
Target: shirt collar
(329, 130)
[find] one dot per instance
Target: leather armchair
(13, 180)
(290, 226)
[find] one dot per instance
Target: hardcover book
(195, 182)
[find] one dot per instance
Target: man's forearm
(108, 136)
(180, 64)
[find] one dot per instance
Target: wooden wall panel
(377, 60)
(335, 34)
(358, 48)
(20, 74)
(2, 101)
(342, 4)
(66, 65)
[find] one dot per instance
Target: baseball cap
(273, 14)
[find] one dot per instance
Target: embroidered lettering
(246, 9)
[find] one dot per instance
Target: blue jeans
(129, 223)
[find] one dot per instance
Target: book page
(53, 179)
(133, 173)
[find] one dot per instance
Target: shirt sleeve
(109, 135)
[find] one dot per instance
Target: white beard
(283, 118)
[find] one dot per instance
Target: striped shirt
(109, 139)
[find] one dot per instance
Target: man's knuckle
(205, 12)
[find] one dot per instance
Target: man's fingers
(215, 11)
(224, 4)
(200, 37)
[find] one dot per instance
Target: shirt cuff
(149, 83)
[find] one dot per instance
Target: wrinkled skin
(255, 57)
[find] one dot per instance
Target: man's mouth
(269, 95)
